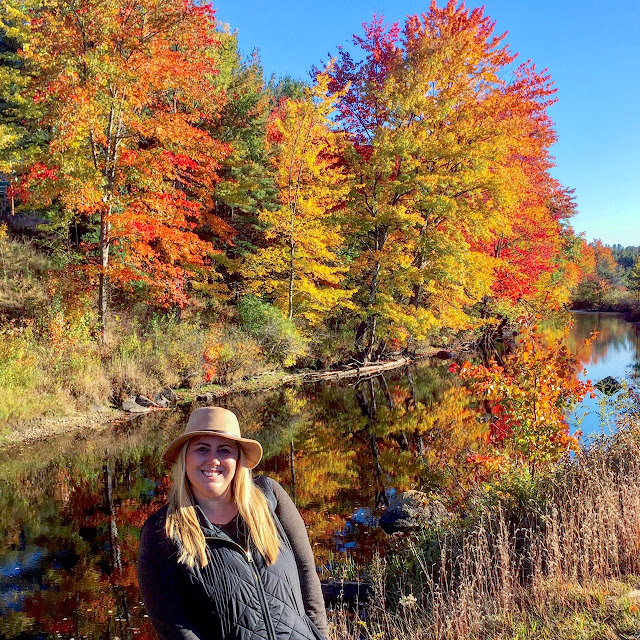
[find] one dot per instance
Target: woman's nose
(213, 458)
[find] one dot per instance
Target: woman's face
(211, 464)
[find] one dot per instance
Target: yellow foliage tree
(300, 268)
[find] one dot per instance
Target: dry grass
(563, 568)
(54, 365)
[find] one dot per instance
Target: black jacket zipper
(268, 622)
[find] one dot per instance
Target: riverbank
(520, 557)
(99, 417)
(629, 311)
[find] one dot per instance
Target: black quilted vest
(238, 597)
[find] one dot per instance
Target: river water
(615, 352)
(71, 507)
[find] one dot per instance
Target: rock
(143, 401)
(609, 386)
(130, 405)
(207, 398)
(170, 395)
(412, 510)
(345, 592)
(161, 401)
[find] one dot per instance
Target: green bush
(46, 366)
(276, 334)
(165, 352)
(238, 355)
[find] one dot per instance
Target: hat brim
(252, 449)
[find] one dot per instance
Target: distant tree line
(611, 279)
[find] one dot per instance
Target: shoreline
(43, 427)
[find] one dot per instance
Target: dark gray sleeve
(296, 531)
(159, 580)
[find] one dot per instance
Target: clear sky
(591, 48)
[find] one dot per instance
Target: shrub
(277, 335)
(232, 355)
(48, 366)
(165, 352)
(23, 287)
(536, 552)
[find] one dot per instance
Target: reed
(564, 567)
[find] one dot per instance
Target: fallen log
(359, 371)
(355, 372)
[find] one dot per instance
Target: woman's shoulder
(262, 481)
(275, 492)
(266, 485)
(154, 526)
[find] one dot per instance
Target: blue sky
(591, 48)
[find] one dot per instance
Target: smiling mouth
(211, 474)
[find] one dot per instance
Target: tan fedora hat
(215, 421)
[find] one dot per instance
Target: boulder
(130, 405)
(170, 395)
(609, 386)
(143, 401)
(161, 401)
(412, 510)
(345, 592)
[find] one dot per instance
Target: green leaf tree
(634, 279)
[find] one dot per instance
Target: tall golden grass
(560, 564)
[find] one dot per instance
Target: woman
(228, 557)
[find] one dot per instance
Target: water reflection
(616, 353)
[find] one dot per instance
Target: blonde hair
(183, 527)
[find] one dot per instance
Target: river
(71, 507)
(616, 353)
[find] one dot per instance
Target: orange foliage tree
(450, 156)
(528, 396)
(128, 91)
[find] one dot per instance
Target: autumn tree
(438, 133)
(128, 93)
(300, 267)
(603, 284)
(527, 397)
(634, 279)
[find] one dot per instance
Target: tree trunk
(114, 539)
(417, 288)
(292, 463)
(103, 286)
(291, 278)
(366, 333)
